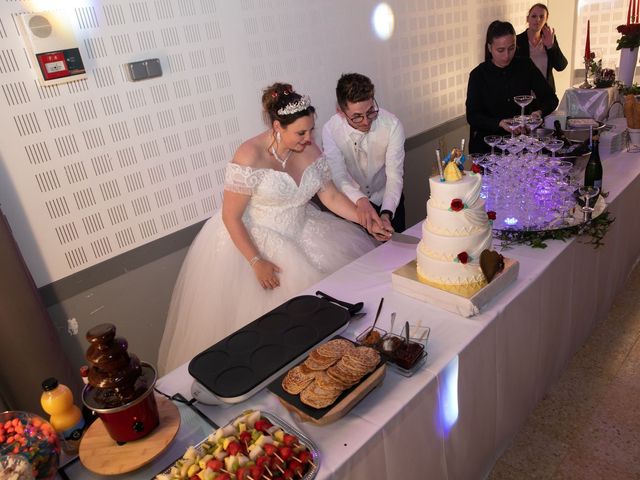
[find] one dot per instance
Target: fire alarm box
(53, 47)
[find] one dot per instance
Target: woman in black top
(494, 83)
(539, 43)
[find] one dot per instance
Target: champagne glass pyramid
(523, 101)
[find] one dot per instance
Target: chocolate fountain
(120, 388)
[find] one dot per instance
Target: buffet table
(484, 374)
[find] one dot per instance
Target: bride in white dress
(268, 243)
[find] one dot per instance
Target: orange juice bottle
(66, 418)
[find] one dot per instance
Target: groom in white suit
(364, 146)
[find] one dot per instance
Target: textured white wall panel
(93, 168)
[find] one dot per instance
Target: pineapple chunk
(193, 469)
(203, 461)
(190, 454)
(229, 430)
(242, 427)
(279, 435)
(231, 463)
(185, 468)
(255, 452)
(206, 474)
(252, 418)
(227, 441)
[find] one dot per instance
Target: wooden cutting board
(102, 455)
(341, 408)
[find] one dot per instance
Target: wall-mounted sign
(53, 47)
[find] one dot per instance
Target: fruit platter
(255, 445)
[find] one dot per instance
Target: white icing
(455, 224)
(467, 190)
(448, 272)
(447, 248)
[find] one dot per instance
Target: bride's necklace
(281, 161)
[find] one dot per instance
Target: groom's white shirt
(380, 176)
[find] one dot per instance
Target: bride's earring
(278, 136)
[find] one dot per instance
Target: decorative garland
(595, 231)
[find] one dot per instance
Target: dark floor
(587, 427)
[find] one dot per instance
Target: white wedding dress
(217, 291)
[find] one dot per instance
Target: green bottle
(593, 170)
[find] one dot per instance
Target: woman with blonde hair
(539, 43)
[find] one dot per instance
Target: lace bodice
(277, 202)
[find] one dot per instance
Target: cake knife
(404, 238)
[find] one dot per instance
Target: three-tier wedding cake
(456, 231)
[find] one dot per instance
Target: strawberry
(290, 440)
(245, 437)
(260, 461)
(256, 472)
(296, 467)
(223, 476)
(241, 473)
(269, 448)
(233, 448)
(285, 453)
(304, 456)
(215, 464)
(263, 425)
(288, 475)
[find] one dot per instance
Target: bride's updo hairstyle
(280, 102)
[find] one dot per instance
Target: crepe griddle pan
(249, 359)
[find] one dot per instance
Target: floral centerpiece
(630, 36)
(628, 43)
(602, 77)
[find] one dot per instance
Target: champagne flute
(553, 145)
(533, 122)
(492, 141)
(523, 101)
(512, 125)
(587, 193)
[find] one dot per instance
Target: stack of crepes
(632, 111)
(330, 369)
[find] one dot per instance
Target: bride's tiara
(295, 107)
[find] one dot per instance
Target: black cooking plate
(242, 361)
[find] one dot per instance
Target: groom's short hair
(354, 88)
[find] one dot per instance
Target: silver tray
(574, 220)
(275, 420)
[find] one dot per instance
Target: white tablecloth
(484, 374)
(591, 103)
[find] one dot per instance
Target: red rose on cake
(463, 257)
(456, 205)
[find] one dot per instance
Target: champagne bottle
(559, 134)
(593, 170)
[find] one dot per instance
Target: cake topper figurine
(439, 163)
(453, 166)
